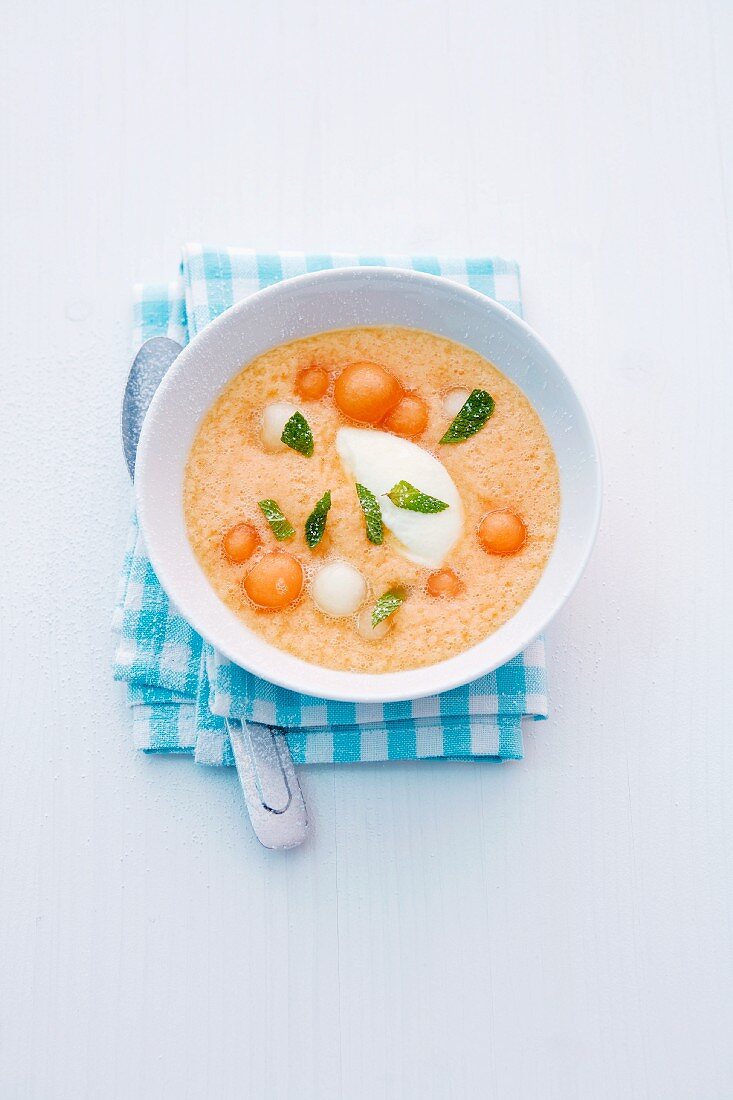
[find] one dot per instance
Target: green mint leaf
(297, 435)
(404, 495)
(471, 418)
(372, 514)
(315, 525)
(281, 527)
(387, 604)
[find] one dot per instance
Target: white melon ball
(454, 401)
(274, 419)
(372, 633)
(338, 589)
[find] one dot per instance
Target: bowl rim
(362, 685)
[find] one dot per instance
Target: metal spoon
(264, 764)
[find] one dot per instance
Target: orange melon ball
(409, 418)
(311, 383)
(240, 543)
(444, 582)
(366, 392)
(275, 581)
(502, 532)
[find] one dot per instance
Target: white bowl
(344, 298)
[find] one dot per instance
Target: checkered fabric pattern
(180, 689)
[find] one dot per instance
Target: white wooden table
(554, 929)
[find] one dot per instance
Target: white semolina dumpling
(274, 419)
(454, 401)
(366, 628)
(338, 589)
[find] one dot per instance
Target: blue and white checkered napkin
(180, 689)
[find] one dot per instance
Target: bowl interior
(343, 299)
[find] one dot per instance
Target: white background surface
(558, 928)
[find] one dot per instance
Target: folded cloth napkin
(180, 689)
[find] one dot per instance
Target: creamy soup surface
(508, 465)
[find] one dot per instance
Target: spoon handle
(271, 788)
(264, 764)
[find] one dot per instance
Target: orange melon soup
(372, 499)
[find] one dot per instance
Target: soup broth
(502, 516)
